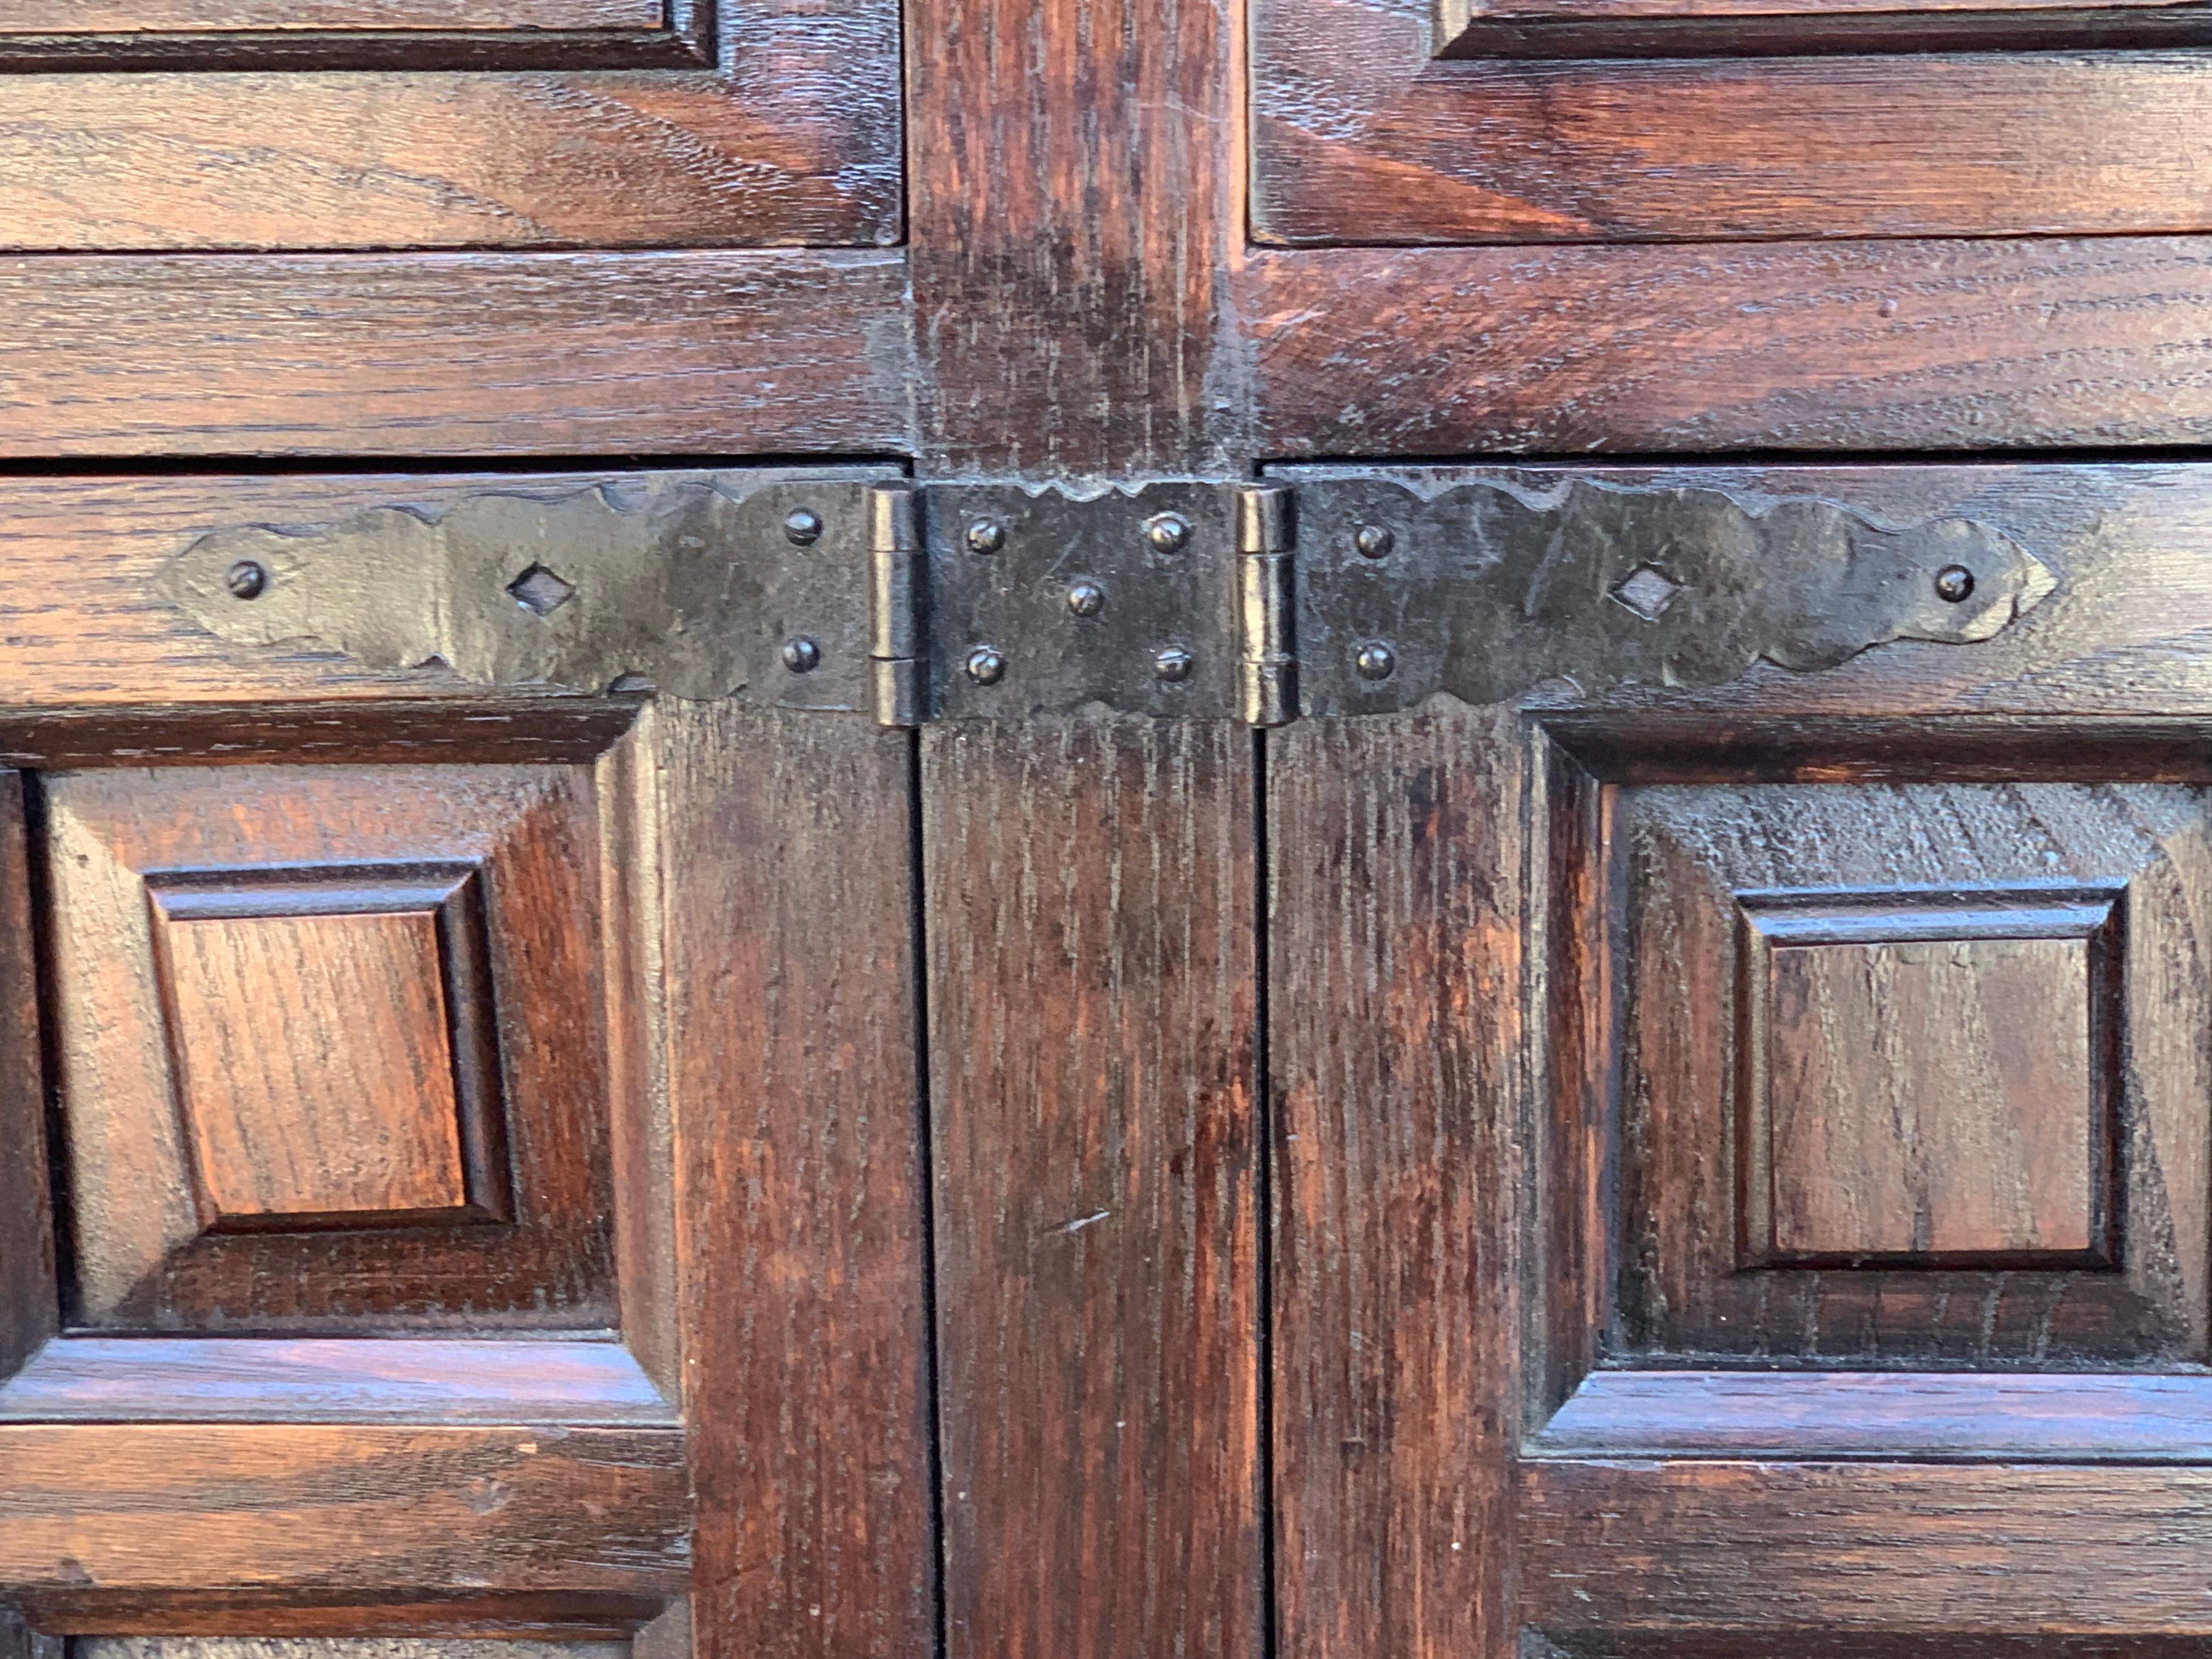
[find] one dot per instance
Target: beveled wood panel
(152, 1379)
(329, 1508)
(167, 1242)
(363, 1127)
(1977, 1122)
(1633, 28)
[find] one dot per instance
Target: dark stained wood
(347, 1647)
(1076, 208)
(1796, 346)
(567, 1615)
(1358, 137)
(518, 160)
(1396, 1027)
(1089, 893)
(1894, 1132)
(148, 1253)
(1638, 29)
(321, 1379)
(1939, 1095)
(791, 137)
(366, 1123)
(405, 355)
(199, 1506)
(784, 908)
(1866, 1548)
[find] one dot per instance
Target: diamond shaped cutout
(1648, 591)
(540, 591)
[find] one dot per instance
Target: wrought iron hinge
(1341, 593)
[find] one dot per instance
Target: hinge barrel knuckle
(896, 595)
(1268, 669)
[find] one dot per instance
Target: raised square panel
(331, 1039)
(330, 1052)
(1928, 1076)
(1892, 1075)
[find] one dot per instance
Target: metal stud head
(1086, 598)
(1954, 583)
(1167, 532)
(246, 579)
(986, 536)
(1375, 661)
(801, 656)
(1373, 541)
(986, 666)
(1173, 664)
(804, 528)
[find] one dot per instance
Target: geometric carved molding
(1859, 1074)
(1930, 1076)
(390, 1115)
(330, 1049)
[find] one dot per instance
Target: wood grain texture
(1866, 346)
(1075, 198)
(323, 1379)
(1865, 1548)
(392, 159)
(315, 1064)
(1396, 1028)
(1937, 1096)
(203, 1506)
(1089, 890)
(1792, 29)
(511, 1615)
(30, 1304)
(1358, 136)
(784, 908)
(144, 1260)
(477, 355)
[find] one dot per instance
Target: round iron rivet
(986, 666)
(1373, 541)
(1086, 598)
(246, 579)
(801, 656)
(1374, 662)
(1173, 665)
(985, 536)
(1954, 582)
(1167, 532)
(803, 528)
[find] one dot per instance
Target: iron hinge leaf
(1345, 593)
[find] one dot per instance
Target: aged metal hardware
(1350, 593)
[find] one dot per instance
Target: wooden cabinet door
(1594, 1133)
